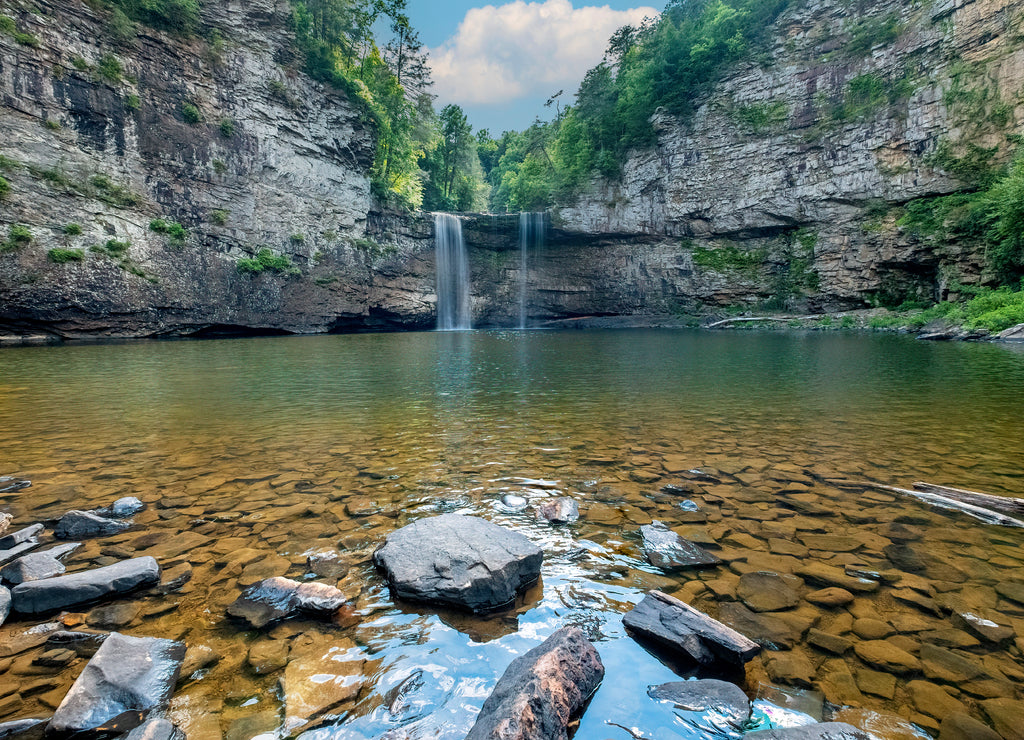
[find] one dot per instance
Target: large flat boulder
(38, 565)
(667, 550)
(79, 525)
(125, 680)
(459, 560)
(60, 592)
(687, 631)
(541, 691)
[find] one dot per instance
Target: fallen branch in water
(999, 503)
(759, 318)
(981, 513)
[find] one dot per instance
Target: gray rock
(60, 592)
(279, 598)
(122, 508)
(155, 729)
(541, 691)
(691, 633)
(666, 549)
(459, 560)
(79, 525)
(32, 567)
(706, 703)
(21, 536)
(125, 680)
(562, 510)
(514, 501)
(22, 729)
(5, 604)
(6, 556)
(820, 731)
(327, 564)
(5, 521)
(10, 485)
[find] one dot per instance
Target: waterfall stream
(453, 309)
(531, 237)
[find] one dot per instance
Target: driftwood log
(740, 319)
(981, 506)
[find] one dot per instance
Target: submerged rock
(79, 525)
(562, 510)
(820, 731)
(60, 592)
(763, 591)
(327, 564)
(541, 691)
(459, 560)
(691, 633)
(125, 680)
(10, 485)
(23, 729)
(666, 549)
(323, 674)
(707, 703)
(155, 729)
(279, 598)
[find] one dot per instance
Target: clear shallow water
(274, 448)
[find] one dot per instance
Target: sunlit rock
(541, 691)
(666, 549)
(126, 679)
(707, 707)
(279, 598)
(322, 676)
(459, 560)
(562, 510)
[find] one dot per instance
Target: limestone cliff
(221, 135)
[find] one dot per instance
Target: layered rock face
(784, 189)
(219, 134)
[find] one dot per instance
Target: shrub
(220, 166)
(109, 68)
(298, 238)
(191, 114)
(80, 64)
(132, 102)
(73, 230)
(5, 188)
(267, 260)
(19, 235)
(219, 217)
(177, 232)
(158, 225)
(110, 192)
(63, 256)
(113, 248)
(51, 124)
(27, 39)
(7, 25)
(227, 128)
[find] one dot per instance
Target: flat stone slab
(705, 704)
(459, 560)
(127, 676)
(80, 525)
(7, 556)
(692, 633)
(155, 729)
(820, 731)
(279, 598)
(5, 604)
(22, 729)
(21, 536)
(38, 565)
(763, 591)
(666, 549)
(60, 592)
(542, 691)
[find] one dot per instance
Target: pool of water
(253, 453)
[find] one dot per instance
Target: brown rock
(1006, 716)
(933, 700)
(766, 592)
(830, 597)
(887, 657)
(962, 727)
(872, 629)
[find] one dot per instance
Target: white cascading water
(531, 236)
(453, 310)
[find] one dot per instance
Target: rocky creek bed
(867, 607)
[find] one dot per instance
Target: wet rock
(829, 642)
(830, 597)
(961, 727)
(20, 537)
(267, 656)
(693, 634)
(10, 485)
(828, 575)
(459, 560)
(514, 502)
(766, 592)
(60, 592)
(1012, 590)
(5, 604)
(1006, 716)
(79, 525)
(768, 631)
(790, 667)
(933, 700)
(327, 564)
(872, 629)
(279, 598)
(175, 578)
(155, 729)
(56, 658)
(666, 549)
(541, 691)
(984, 629)
(561, 510)
(689, 505)
(7, 556)
(320, 678)
(198, 657)
(121, 509)
(820, 731)
(22, 729)
(84, 643)
(706, 703)
(113, 616)
(887, 657)
(5, 521)
(130, 676)
(38, 565)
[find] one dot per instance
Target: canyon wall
(784, 190)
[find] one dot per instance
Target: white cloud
(519, 50)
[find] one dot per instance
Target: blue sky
(501, 61)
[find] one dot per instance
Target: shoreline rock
(83, 587)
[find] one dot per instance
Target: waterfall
(531, 236)
(453, 312)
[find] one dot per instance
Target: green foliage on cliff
(267, 260)
(993, 310)
(5, 188)
(174, 16)
(63, 256)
